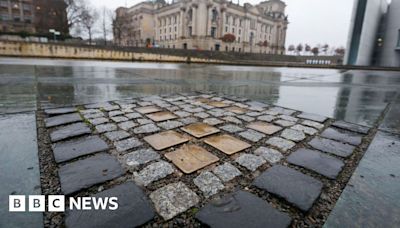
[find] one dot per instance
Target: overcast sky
(311, 21)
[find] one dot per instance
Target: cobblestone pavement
(200, 159)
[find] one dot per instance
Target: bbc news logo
(56, 203)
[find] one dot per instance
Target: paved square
(200, 130)
(161, 116)
(265, 128)
(135, 138)
(227, 144)
(165, 140)
(190, 158)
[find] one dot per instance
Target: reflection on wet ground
(361, 97)
(354, 96)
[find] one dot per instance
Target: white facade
(201, 24)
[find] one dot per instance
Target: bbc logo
(36, 203)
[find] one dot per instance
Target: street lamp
(55, 33)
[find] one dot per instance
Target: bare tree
(299, 49)
(119, 23)
(315, 51)
(74, 11)
(88, 20)
(106, 23)
(325, 48)
(340, 51)
(291, 48)
(307, 48)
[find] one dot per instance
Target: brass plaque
(161, 116)
(148, 109)
(165, 140)
(227, 144)
(190, 158)
(265, 128)
(200, 130)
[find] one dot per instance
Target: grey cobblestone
(140, 157)
(227, 172)
(293, 135)
(153, 172)
(127, 144)
(169, 125)
(281, 143)
(231, 128)
(250, 161)
(173, 199)
(252, 135)
(208, 183)
(212, 121)
(145, 129)
(271, 155)
(106, 128)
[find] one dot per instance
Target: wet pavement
(19, 167)
(368, 98)
(372, 197)
(354, 96)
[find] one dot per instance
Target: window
(4, 17)
(214, 15)
(4, 4)
(253, 24)
(398, 39)
(190, 31)
(213, 32)
(226, 29)
(190, 15)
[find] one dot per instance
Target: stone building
(33, 16)
(204, 25)
(51, 14)
(17, 16)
